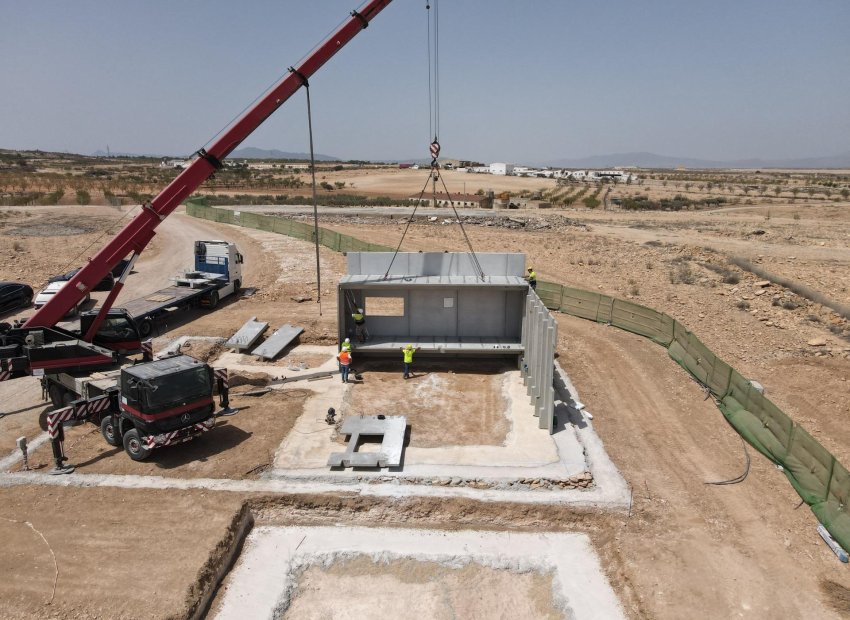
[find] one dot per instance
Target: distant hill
(651, 160)
(250, 152)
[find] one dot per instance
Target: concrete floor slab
(527, 452)
(265, 578)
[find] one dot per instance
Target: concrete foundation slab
(265, 579)
(525, 452)
(389, 428)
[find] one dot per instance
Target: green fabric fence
(820, 480)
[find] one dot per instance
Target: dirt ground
(435, 403)
(363, 588)
(734, 550)
(687, 549)
(240, 446)
(125, 554)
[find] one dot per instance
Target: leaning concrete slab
(391, 430)
(277, 342)
(247, 335)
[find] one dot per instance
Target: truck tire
(134, 447)
(109, 431)
(145, 328)
(212, 300)
(57, 394)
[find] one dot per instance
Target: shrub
(83, 197)
(682, 274)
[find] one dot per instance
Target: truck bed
(170, 296)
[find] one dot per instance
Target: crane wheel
(134, 447)
(109, 431)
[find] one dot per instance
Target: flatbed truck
(217, 274)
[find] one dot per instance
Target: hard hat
(347, 340)
(360, 310)
(530, 269)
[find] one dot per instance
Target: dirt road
(692, 549)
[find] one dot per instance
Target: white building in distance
(501, 169)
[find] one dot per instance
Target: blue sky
(523, 81)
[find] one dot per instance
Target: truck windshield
(179, 388)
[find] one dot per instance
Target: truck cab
(215, 261)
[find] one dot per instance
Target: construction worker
(346, 345)
(532, 278)
(407, 353)
(359, 324)
(344, 358)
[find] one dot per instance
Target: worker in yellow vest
(407, 353)
(359, 324)
(346, 345)
(532, 278)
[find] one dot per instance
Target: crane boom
(141, 229)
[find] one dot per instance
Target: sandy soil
(240, 446)
(688, 548)
(435, 401)
(363, 588)
(104, 540)
(405, 183)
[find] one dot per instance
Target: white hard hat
(347, 340)
(360, 310)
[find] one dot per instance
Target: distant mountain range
(651, 160)
(250, 152)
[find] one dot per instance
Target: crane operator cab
(118, 332)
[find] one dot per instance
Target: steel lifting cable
(463, 230)
(306, 84)
(409, 221)
(434, 147)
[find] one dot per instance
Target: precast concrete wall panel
(433, 312)
(539, 336)
(435, 264)
(481, 312)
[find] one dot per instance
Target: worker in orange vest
(344, 358)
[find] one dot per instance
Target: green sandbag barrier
(820, 480)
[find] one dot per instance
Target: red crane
(39, 345)
(135, 236)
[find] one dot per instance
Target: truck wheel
(109, 431)
(134, 447)
(57, 394)
(212, 300)
(145, 328)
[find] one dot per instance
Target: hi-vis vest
(358, 318)
(346, 346)
(532, 276)
(408, 355)
(344, 358)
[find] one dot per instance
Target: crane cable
(434, 146)
(306, 84)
